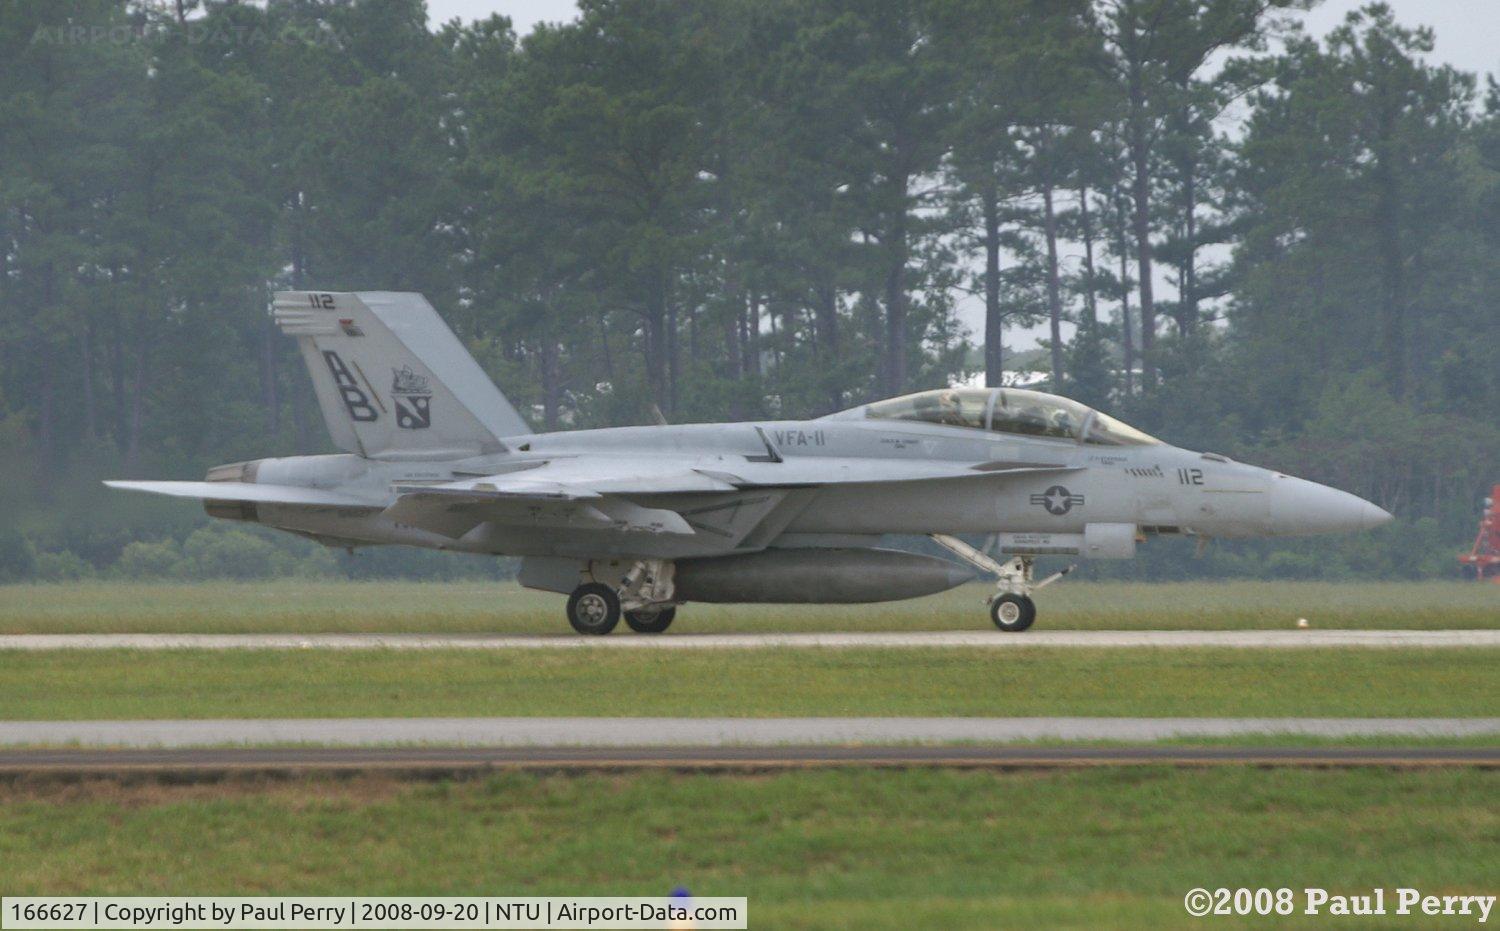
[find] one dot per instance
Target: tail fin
(392, 379)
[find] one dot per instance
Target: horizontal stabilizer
(246, 491)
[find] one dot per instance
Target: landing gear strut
(643, 598)
(1011, 607)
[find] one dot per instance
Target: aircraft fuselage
(1158, 488)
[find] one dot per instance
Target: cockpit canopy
(1011, 410)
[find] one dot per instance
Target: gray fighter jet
(635, 521)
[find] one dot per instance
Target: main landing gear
(594, 609)
(643, 598)
(651, 620)
(1011, 607)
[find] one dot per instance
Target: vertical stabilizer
(392, 379)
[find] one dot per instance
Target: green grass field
(506, 608)
(811, 849)
(775, 682)
(1034, 681)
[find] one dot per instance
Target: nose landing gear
(1011, 607)
(1012, 613)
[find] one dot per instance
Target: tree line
(1236, 236)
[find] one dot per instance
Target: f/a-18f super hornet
(634, 521)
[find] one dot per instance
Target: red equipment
(1483, 561)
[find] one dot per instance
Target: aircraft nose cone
(1299, 506)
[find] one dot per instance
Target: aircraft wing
(833, 470)
(247, 491)
(585, 478)
(579, 494)
(595, 477)
(454, 515)
(721, 497)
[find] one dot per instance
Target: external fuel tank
(816, 576)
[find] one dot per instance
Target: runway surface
(986, 639)
(440, 762)
(700, 732)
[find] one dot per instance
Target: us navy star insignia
(1057, 500)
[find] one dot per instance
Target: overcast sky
(1466, 37)
(1467, 30)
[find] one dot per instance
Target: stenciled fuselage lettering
(1190, 476)
(799, 437)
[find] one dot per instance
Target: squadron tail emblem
(413, 399)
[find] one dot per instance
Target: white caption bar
(371, 912)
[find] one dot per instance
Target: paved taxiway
(702, 732)
(989, 639)
(444, 761)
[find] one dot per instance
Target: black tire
(1470, 571)
(593, 609)
(651, 621)
(1012, 613)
